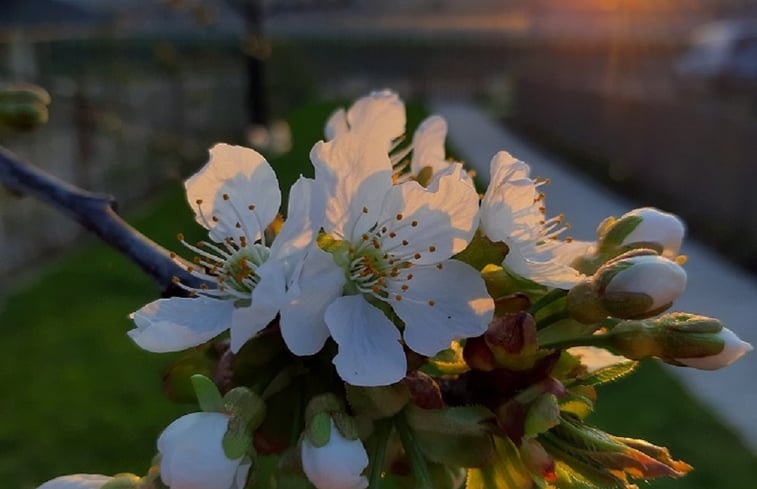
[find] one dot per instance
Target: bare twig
(97, 213)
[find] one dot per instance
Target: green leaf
(610, 374)
(618, 230)
(463, 420)
(378, 402)
(507, 472)
(208, 397)
(458, 451)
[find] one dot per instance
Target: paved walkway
(715, 288)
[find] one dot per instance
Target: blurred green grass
(79, 396)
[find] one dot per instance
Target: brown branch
(97, 213)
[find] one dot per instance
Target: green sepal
(237, 441)
(208, 396)
(243, 403)
(507, 470)
(346, 425)
(318, 429)
(543, 414)
(630, 305)
(377, 402)
(482, 251)
(688, 323)
(123, 481)
(614, 232)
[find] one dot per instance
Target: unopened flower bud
(337, 464)
(512, 340)
(646, 227)
(635, 285)
(700, 342)
(193, 455)
(679, 339)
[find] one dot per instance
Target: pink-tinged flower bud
(337, 464)
(77, 481)
(646, 227)
(193, 457)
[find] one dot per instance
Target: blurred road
(715, 288)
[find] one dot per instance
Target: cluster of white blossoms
(372, 256)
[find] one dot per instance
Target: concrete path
(715, 288)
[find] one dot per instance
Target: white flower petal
(429, 225)
(370, 352)
(441, 304)
(379, 117)
(179, 323)
(267, 298)
(234, 179)
(551, 270)
(336, 125)
(508, 204)
(336, 465)
(304, 217)
(77, 481)
(428, 145)
(320, 282)
(192, 453)
(354, 174)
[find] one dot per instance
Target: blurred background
(653, 99)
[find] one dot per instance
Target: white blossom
(235, 196)
(512, 212)
(394, 244)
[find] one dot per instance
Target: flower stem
(378, 454)
(413, 452)
(547, 299)
(552, 318)
(590, 340)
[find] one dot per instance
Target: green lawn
(80, 397)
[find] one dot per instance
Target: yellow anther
(439, 266)
(399, 217)
(365, 210)
(175, 279)
(225, 196)
(681, 259)
(414, 223)
(398, 297)
(404, 242)
(417, 256)
(198, 201)
(180, 237)
(431, 303)
(251, 207)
